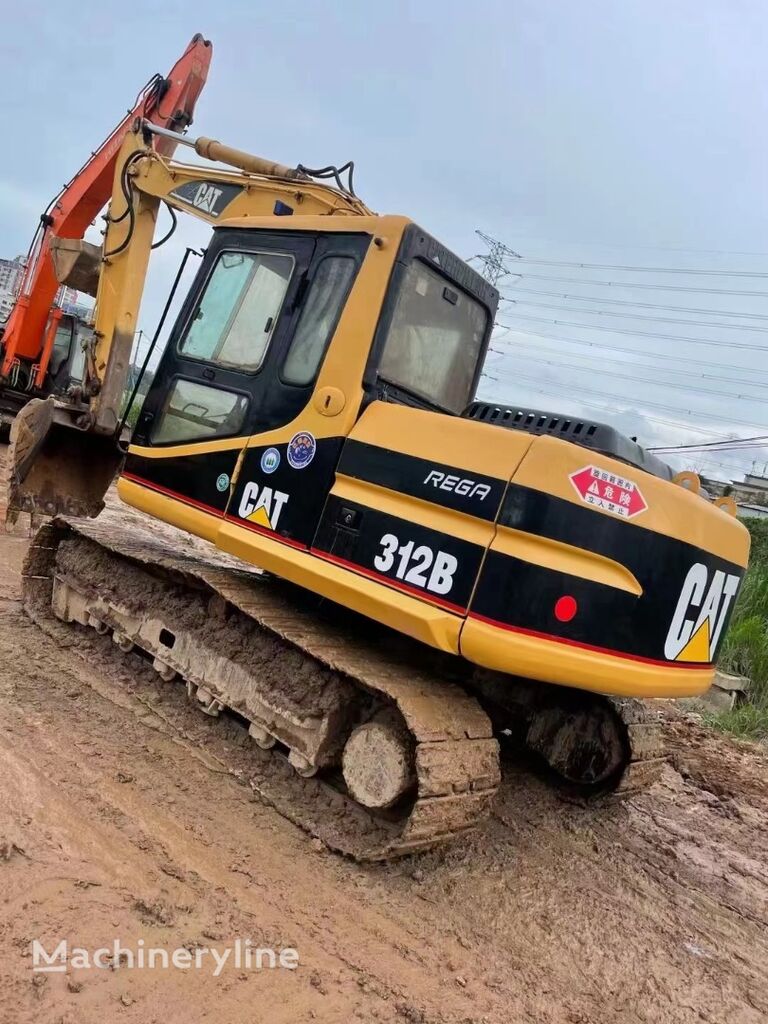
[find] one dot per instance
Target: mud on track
(125, 812)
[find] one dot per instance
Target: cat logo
(262, 505)
(210, 197)
(205, 197)
(701, 612)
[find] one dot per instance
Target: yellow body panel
(688, 517)
(552, 554)
(409, 615)
(429, 435)
(602, 672)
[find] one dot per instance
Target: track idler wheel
(377, 762)
(585, 745)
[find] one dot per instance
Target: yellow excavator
(399, 576)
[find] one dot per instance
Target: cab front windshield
(435, 340)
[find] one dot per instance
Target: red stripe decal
(587, 647)
(265, 532)
(171, 494)
(215, 511)
(381, 578)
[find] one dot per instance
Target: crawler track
(309, 675)
(302, 677)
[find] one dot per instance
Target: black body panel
(523, 595)
(359, 545)
(473, 493)
(197, 479)
(306, 488)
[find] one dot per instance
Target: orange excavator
(41, 346)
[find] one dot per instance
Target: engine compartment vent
(598, 437)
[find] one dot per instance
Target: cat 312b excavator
(435, 573)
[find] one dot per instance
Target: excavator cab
(66, 369)
(269, 347)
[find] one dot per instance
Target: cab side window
(322, 308)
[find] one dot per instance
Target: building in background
(11, 272)
(11, 275)
(756, 483)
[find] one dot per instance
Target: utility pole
(494, 262)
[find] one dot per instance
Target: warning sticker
(609, 492)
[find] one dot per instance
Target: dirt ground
(125, 813)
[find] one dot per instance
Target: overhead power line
(646, 286)
(641, 305)
(601, 361)
(612, 347)
(728, 450)
(729, 468)
(717, 445)
(643, 270)
(639, 316)
(652, 248)
(643, 334)
(634, 378)
(640, 404)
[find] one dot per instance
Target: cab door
(212, 383)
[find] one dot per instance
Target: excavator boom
(64, 454)
(168, 102)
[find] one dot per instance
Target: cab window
(62, 344)
(322, 307)
(435, 339)
(196, 412)
(239, 309)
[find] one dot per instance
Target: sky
(615, 134)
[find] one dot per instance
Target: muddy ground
(120, 817)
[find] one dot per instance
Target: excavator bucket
(77, 263)
(55, 469)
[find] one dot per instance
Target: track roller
(377, 762)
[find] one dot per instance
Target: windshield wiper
(414, 394)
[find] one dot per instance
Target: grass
(745, 721)
(745, 650)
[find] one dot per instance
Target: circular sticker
(270, 460)
(222, 483)
(301, 449)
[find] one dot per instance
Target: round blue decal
(301, 449)
(222, 482)
(270, 460)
